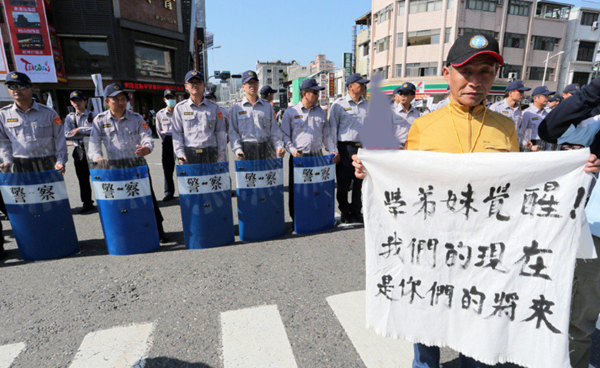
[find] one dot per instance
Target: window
(365, 48)
(581, 78)
(269, 81)
(447, 36)
(449, 4)
(515, 40)
(552, 11)
(517, 7)
(268, 70)
(280, 81)
(401, 6)
(485, 5)
(427, 37)
(153, 62)
(507, 69)
(537, 73)
(544, 43)
(421, 69)
(486, 32)
(383, 71)
(384, 14)
(400, 39)
(280, 70)
(421, 6)
(398, 70)
(587, 19)
(586, 51)
(85, 56)
(382, 44)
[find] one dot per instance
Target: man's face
(251, 87)
(541, 99)
(406, 98)
(516, 95)
(118, 103)
(566, 95)
(357, 88)
(78, 103)
(270, 97)
(553, 104)
(20, 95)
(195, 87)
(312, 96)
(471, 82)
(397, 98)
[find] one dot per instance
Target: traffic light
(283, 101)
(225, 75)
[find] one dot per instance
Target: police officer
(403, 111)
(306, 131)
(211, 96)
(120, 130)
(78, 126)
(511, 105)
(267, 93)
(199, 135)
(553, 102)
(532, 117)
(163, 122)
(570, 89)
(253, 130)
(345, 121)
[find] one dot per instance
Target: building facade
(583, 35)
(321, 64)
(296, 71)
(272, 73)
(362, 44)
(411, 39)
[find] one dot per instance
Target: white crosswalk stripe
(374, 350)
(118, 347)
(255, 338)
(8, 354)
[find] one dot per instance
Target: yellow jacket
(436, 132)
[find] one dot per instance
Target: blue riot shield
(260, 199)
(40, 214)
(122, 188)
(206, 209)
(314, 194)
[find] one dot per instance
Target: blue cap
(210, 94)
(18, 78)
(266, 90)
(78, 95)
(406, 87)
(194, 74)
(169, 93)
(572, 88)
(248, 76)
(356, 78)
(311, 84)
(516, 85)
(542, 90)
(555, 98)
(114, 89)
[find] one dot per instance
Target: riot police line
(115, 142)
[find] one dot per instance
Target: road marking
(374, 350)
(255, 338)
(118, 347)
(8, 353)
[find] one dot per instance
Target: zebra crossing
(250, 337)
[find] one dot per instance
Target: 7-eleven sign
(420, 87)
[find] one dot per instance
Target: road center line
(8, 353)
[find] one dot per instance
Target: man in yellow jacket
(464, 125)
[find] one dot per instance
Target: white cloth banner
(122, 189)
(314, 175)
(475, 252)
(204, 184)
(35, 193)
(259, 179)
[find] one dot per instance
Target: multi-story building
(362, 43)
(321, 64)
(583, 35)
(272, 73)
(296, 71)
(411, 39)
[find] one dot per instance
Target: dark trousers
(344, 172)
(135, 162)
(258, 151)
(168, 162)
(83, 175)
(207, 155)
(34, 164)
(291, 180)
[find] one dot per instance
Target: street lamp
(205, 56)
(546, 64)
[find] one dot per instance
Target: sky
(285, 30)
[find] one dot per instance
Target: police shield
(259, 179)
(314, 193)
(121, 183)
(205, 197)
(36, 200)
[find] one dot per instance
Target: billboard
(30, 39)
(348, 66)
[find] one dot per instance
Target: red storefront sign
(139, 86)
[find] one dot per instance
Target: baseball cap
(78, 95)
(194, 74)
(356, 78)
(210, 94)
(169, 93)
(555, 98)
(470, 45)
(18, 78)
(572, 88)
(311, 83)
(406, 88)
(542, 90)
(113, 90)
(248, 76)
(516, 85)
(266, 90)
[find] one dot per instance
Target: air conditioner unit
(595, 25)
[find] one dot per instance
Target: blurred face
(311, 96)
(470, 83)
(553, 104)
(195, 87)
(567, 94)
(358, 89)
(270, 97)
(251, 87)
(20, 95)
(117, 104)
(397, 98)
(541, 100)
(78, 104)
(516, 95)
(406, 99)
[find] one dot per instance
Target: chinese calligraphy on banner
(475, 252)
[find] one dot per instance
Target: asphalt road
(51, 308)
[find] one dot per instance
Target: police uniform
(82, 121)
(163, 123)
(345, 121)
(502, 107)
(402, 119)
(532, 117)
(253, 129)
(120, 138)
(307, 131)
(211, 96)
